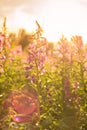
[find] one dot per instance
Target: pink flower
(4, 40)
(36, 55)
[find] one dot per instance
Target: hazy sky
(55, 16)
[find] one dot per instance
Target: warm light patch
(56, 18)
(21, 20)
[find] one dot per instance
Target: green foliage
(59, 80)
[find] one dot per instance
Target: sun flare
(56, 18)
(21, 20)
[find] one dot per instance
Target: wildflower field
(43, 86)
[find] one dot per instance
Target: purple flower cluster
(36, 56)
(4, 40)
(35, 61)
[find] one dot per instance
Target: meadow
(53, 75)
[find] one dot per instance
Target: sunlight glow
(56, 18)
(22, 20)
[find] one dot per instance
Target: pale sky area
(56, 17)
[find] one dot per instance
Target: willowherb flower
(77, 41)
(35, 61)
(71, 92)
(4, 41)
(15, 51)
(36, 55)
(1, 42)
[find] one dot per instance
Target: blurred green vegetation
(60, 82)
